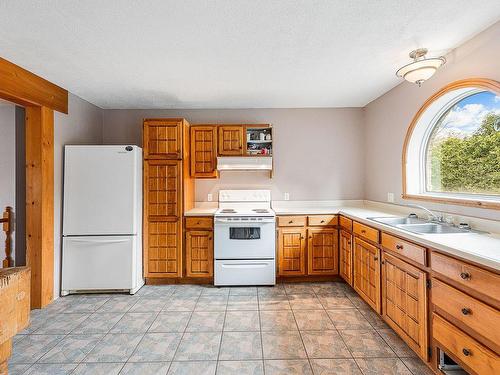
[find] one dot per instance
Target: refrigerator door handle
(99, 241)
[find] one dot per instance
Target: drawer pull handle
(465, 275)
(290, 222)
(363, 231)
(466, 311)
(466, 352)
(375, 258)
(322, 221)
(399, 247)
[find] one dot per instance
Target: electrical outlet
(390, 197)
(209, 197)
(286, 196)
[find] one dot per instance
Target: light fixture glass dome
(421, 69)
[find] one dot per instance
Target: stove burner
(228, 211)
(260, 210)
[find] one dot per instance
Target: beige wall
(387, 118)
(318, 153)
(82, 125)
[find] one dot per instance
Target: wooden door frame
(40, 98)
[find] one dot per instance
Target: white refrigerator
(102, 219)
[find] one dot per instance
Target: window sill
(489, 204)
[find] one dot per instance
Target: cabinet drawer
(199, 222)
(457, 343)
(291, 221)
(476, 315)
(407, 249)
(366, 232)
(345, 223)
(322, 220)
(475, 278)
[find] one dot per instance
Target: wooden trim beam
(22, 87)
(40, 203)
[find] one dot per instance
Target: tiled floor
(315, 328)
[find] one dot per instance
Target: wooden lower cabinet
(345, 261)
(163, 249)
(474, 357)
(199, 253)
(322, 253)
(366, 272)
(404, 302)
(292, 251)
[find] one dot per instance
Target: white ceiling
(231, 53)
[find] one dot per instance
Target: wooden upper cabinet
(162, 138)
(203, 151)
(231, 140)
(292, 251)
(366, 273)
(404, 300)
(162, 190)
(345, 266)
(322, 251)
(199, 253)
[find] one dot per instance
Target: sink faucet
(433, 216)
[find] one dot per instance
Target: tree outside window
(463, 151)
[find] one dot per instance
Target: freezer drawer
(99, 262)
(245, 272)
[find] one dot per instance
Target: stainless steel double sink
(419, 226)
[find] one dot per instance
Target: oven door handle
(246, 265)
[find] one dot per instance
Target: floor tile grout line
(302, 341)
(183, 333)
(222, 334)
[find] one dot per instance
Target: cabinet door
(199, 253)
(203, 151)
(404, 299)
(367, 272)
(162, 249)
(162, 189)
(162, 139)
(346, 256)
(292, 251)
(322, 252)
(231, 140)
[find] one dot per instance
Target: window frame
(415, 181)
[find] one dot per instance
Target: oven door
(244, 238)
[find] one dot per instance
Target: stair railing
(6, 220)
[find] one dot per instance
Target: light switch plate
(286, 196)
(390, 197)
(209, 197)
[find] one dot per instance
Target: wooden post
(40, 203)
(7, 228)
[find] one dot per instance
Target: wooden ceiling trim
(22, 87)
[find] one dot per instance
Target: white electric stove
(245, 238)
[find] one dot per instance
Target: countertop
(480, 248)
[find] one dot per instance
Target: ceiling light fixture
(421, 69)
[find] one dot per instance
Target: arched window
(452, 148)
